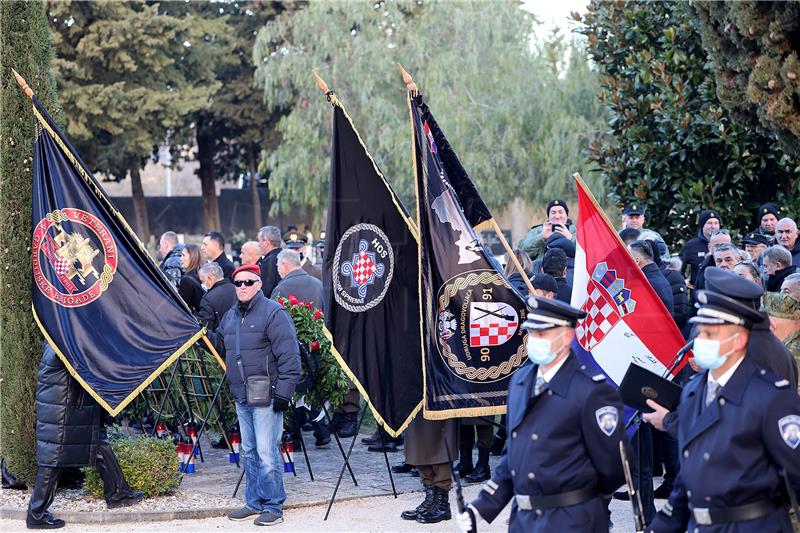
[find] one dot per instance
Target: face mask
(706, 353)
(540, 351)
(203, 286)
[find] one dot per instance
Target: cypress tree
(26, 46)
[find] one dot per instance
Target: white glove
(465, 519)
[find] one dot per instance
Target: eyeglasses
(245, 282)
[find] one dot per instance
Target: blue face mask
(706, 353)
(540, 351)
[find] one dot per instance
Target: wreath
(331, 382)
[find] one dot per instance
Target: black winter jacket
(191, 289)
(693, 254)
(660, 285)
(680, 296)
(216, 302)
(268, 346)
(68, 419)
(269, 272)
(172, 265)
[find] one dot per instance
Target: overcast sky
(554, 13)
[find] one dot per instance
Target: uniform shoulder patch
(607, 418)
(789, 429)
(599, 377)
(782, 383)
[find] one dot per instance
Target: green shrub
(149, 465)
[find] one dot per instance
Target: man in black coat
(269, 238)
(69, 433)
(642, 253)
(694, 252)
(220, 297)
(778, 265)
(295, 280)
(171, 251)
(555, 264)
(213, 248)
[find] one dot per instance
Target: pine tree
(25, 45)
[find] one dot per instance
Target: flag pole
(23, 84)
(593, 200)
(412, 89)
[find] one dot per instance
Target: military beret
(731, 285)
(558, 202)
(295, 239)
(255, 269)
(781, 305)
(545, 314)
(634, 209)
(755, 237)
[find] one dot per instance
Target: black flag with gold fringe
(371, 277)
(473, 342)
(98, 298)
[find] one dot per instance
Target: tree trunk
(255, 199)
(205, 155)
(139, 205)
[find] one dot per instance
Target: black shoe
(402, 468)
(464, 468)
(307, 427)
(47, 521)
(322, 441)
(479, 474)
(372, 439)
(662, 492)
(388, 446)
(412, 514)
(622, 495)
(414, 472)
(348, 425)
(439, 509)
(497, 445)
(124, 499)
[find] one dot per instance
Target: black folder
(639, 385)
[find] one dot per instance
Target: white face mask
(706, 352)
(540, 351)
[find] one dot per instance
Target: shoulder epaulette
(782, 383)
(599, 377)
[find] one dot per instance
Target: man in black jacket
(777, 265)
(555, 264)
(694, 252)
(220, 295)
(171, 250)
(258, 339)
(269, 238)
(213, 248)
(70, 433)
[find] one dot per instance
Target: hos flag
(371, 280)
(472, 341)
(98, 298)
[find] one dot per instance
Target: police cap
(730, 284)
(755, 238)
(295, 239)
(633, 208)
(545, 314)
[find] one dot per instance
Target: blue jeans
(261, 429)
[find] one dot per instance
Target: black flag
(473, 341)
(98, 298)
(372, 281)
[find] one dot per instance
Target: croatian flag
(626, 321)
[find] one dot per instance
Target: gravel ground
(360, 515)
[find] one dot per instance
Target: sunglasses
(245, 282)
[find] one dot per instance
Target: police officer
(562, 459)
(738, 428)
(298, 242)
(755, 243)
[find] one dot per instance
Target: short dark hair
(554, 262)
(629, 235)
(216, 236)
(642, 248)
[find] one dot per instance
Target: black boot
(439, 509)
(498, 443)
(44, 490)
(402, 468)
(348, 426)
(124, 499)
(116, 490)
(464, 466)
(322, 433)
(481, 471)
(412, 514)
(9, 481)
(387, 445)
(374, 438)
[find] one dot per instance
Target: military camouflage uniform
(533, 243)
(785, 306)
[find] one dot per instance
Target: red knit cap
(247, 268)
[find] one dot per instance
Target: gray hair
(271, 234)
(792, 279)
(728, 248)
(778, 254)
(170, 237)
(289, 258)
(211, 270)
(675, 263)
(721, 231)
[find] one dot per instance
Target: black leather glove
(279, 404)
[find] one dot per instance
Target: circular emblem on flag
(74, 257)
(478, 333)
(363, 266)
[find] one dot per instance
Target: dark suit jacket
(302, 285)
(269, 272)
(660, 284)
(564, 293)
(226, 265)
(216, 302)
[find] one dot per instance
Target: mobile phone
(556, 226)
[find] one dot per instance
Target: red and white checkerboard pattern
(61, 266)
(491, 334)
(363, 269)
(601, 317)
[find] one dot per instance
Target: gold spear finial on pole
(322, 85)
(23, 84)
(407, 79)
